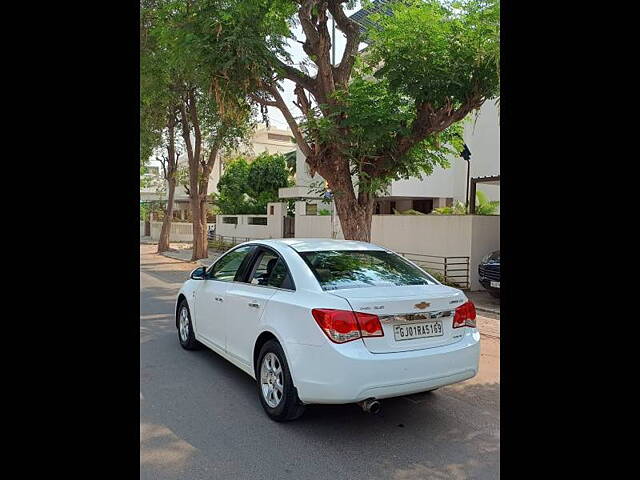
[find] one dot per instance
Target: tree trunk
(355, 212)
(163, 242)
(170, 167)
(203, 223)
(355, 217)
(200, 247)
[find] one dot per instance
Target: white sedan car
(329, 321)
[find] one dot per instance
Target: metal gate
(288, 227)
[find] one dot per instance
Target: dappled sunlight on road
(153, 325)
(160, 448)
(454, 471)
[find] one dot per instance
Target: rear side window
(337, 269)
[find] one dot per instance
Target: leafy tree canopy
(246, 188)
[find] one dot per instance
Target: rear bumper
(350, 373)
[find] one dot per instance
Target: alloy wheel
(184, 325)
(271, 380)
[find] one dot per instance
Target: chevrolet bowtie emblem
(422, 305)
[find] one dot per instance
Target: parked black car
(489, 271)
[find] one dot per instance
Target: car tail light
(344, 325)
(465, 315)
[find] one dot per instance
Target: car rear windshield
(337, 269)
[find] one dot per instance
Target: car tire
(276, 391)
(185, 328)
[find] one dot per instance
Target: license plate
(417, 330)
(495, 284)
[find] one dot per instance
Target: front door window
(228, 266)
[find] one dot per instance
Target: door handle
(218, 299)
(254, 304)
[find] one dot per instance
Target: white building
(442, 188)
(270, 140)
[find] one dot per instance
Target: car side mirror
(199, 273)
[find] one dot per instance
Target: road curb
(164, 254)
(205, 262)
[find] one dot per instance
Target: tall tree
(158, 113)
(169, 164)
(210, 119)
(389, 113)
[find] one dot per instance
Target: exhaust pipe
(371, 405)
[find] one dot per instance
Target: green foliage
(174, 63)
(374, 115)
(157, 98)
(155, 207)
(232, 187)
(441, 53)
(290, 158)
(267, 173)
(246, 188)
(144, 179)
(324, 212)
(240, 42)
(483, 207)
(411, 211)
(439, 276)
(458, 208)
(437, 51)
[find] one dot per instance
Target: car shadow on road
(412, 438)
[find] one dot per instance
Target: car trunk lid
(413, 317)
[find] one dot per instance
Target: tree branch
(263, 101)
(352, 31)
(186, 131)
(293, 125)
(303, 103)
(429, 121)
(308, 27)
(296, 75)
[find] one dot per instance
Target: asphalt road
(200, 417)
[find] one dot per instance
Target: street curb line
(178, 259)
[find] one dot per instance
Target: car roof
(319, 244)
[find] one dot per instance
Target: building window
(271, 210)
(392, 207)
(278, 137)
(153, 171)
(311, 209)
(257, 220)
(232, 220)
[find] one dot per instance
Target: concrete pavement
(200, 417)
(485, 303)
